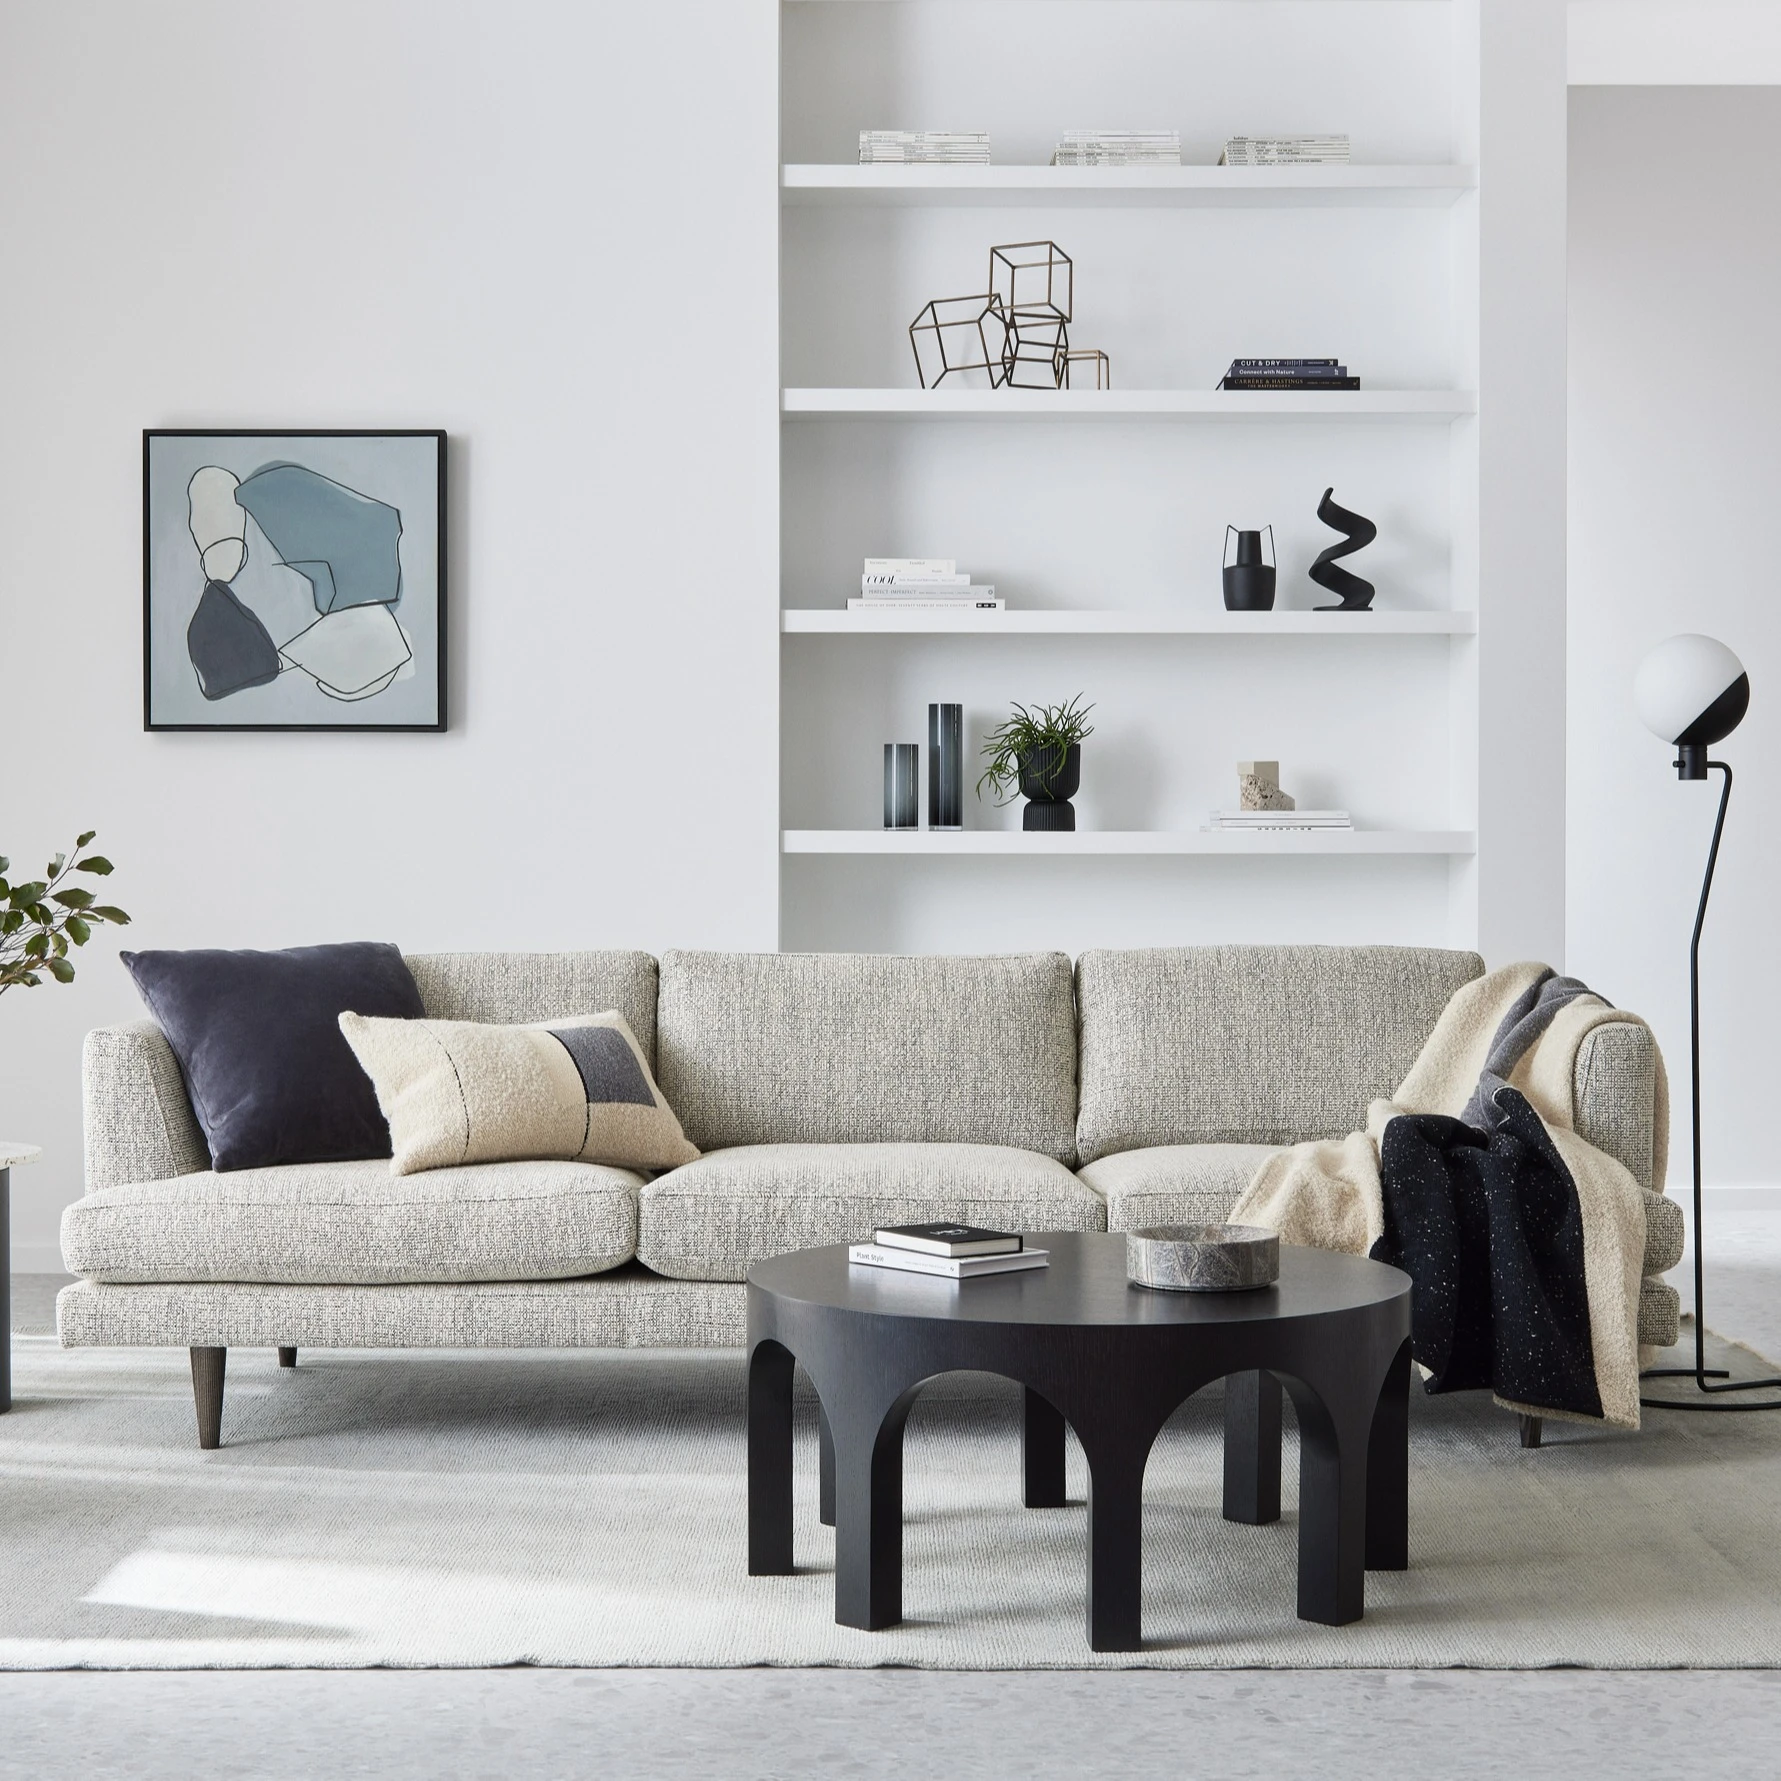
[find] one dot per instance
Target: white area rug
(588, 1509)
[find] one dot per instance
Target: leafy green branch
(41, 918)
(1043, 736)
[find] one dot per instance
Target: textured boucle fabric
(1666, 1234)
(356, 1223)
(510, 987)
(1660, 1314)
(460, 1091)
(137, 1117)
(1614, 1088)
(629, 1308)
(865, 1048)
(1173, 1184)
(714, 1218)
(1250, 1044)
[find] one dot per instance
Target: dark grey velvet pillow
(257, 1035)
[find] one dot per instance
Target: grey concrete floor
(752, 1725)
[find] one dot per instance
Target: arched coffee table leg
(1332, 1510)
(1388, 1471)
(1252, 1448)
(825, 1467)
(1042, 1453)
(770, 1461)
(869, 1514)
(1115, 1540)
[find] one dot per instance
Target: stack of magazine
(952, 1251)
(934, 148)
(934, 582)
(1284, 151)
(1118, 148)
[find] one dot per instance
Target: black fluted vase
(1048, 784)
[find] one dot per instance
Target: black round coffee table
(1111, 1360)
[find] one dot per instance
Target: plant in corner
(40, 918)
(1038, 753)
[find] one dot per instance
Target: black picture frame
(226, 722)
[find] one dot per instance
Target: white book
(904, 603)
(910, 579)
(946, 1267)
(980, 590)
(911, 566)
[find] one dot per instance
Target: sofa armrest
(1614, 1097)
(139, 1121)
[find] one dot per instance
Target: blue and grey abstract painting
(294, 580)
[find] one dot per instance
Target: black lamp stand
(1714, 1383)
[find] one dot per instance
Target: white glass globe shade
(1681, 681)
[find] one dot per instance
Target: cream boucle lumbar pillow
(457, 1091)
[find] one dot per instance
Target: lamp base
(1691, 760)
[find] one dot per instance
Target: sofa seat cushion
(1174, 1183)
(357, 1224)
(714, 1218)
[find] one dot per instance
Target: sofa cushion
(355, 1223)
(712, 1219)
(510, 987)
(1173, 1183)
(270, 1078)
(467, 1091)
(863, 1048)
(1250, 1044)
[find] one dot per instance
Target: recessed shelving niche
(1100, 516)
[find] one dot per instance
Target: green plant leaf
(58, 945)
(78, 931)
(12, 921)
(42, 914)
(37, 946)
(85, 839)
(5, 863)
(22, 896)
(73, 898)
(105, 912)
(61, 970)
(98, 865)
(55, 865)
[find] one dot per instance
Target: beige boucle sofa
(829, 1093)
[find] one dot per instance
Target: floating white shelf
(1118, 187)
(836, 622)
(1007, 843)
(1413, 405)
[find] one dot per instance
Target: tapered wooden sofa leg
(1530, 1431)
(207, 1391)
(287, 1357)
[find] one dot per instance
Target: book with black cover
(948, 1239)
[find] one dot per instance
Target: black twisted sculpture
(1355, 594)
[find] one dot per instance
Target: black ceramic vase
(1249, 581)
(1048, 787)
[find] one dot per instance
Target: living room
(475, 1188)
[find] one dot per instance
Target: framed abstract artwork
(293, 580)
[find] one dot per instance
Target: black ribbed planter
(1049, 786)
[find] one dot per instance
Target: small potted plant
(41, 918)
(1038, 753)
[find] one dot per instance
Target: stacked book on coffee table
(951, 1251)
(933, 582)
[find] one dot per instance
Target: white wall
(548, 228)
(1675, 257)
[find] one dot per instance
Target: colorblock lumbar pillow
(458, 1091)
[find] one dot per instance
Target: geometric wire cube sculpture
(1038, 351)
(960, 334)
(1087, 356)
(1032, 278)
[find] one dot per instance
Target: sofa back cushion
(506, 988)
(862, 1048)
(1250, 1044)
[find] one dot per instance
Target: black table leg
(1332, 1512)
(1115, 1544)
(1388, 1471)
(1252, 1448)
(770, 1461)
(825, 1467)
(869, 1514)
(1042, 1453)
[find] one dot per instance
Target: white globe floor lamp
(1692, 691)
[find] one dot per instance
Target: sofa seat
(712, 1219)
(357, 1224)
(1173, 1183)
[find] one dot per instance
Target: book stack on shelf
(1279, 819)
(951, 1251)
(934, 148)
(932, 582)
(1285, 151)
(1118, 148)
(1287, 374)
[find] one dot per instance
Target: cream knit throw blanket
(1327, 1195)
